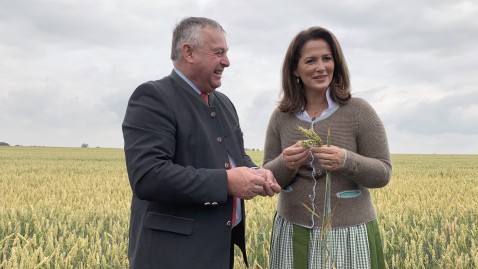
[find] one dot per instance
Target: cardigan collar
(333, 106)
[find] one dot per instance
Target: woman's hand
(330, 158)
(295, 156)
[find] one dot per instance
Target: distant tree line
(4, 144)
(85, 145)
(252, 149)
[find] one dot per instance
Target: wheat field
(69, 208)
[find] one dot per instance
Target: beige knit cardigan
(354, 127)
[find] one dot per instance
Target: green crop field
(69, 208)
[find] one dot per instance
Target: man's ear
(187, 52)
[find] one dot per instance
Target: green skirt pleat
(301, 237)
(377, 259)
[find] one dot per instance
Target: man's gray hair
(188, 31)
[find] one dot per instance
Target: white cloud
(68, 67)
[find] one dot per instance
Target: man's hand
(244, 182)
(271, 187)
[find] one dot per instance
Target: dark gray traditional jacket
(176, 149)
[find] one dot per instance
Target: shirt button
(213, 114)
(228, 223)
(219, 139)
(226, 165)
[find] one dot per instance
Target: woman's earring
(298, 80)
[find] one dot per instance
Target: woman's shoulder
(361, 108)
(279, 118)
(358, 103)
(280, 115)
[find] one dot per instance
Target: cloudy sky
(68, 67)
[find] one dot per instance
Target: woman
(316, 95)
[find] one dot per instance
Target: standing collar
(189, 86)
(189, 82)
(333, 106)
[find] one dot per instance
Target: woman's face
(316, 65)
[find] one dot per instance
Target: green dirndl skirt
(297, 247)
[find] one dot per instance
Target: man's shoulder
(222, 97)
(156, 89)
(159, 83)
(161, 86)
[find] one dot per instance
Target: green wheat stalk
(327, 226)
(313, 138)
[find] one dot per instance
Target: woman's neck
(316, 104)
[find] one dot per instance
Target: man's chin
(216, 85)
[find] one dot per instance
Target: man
(186, 161)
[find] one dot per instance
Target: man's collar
(189, 86)
(188, 81)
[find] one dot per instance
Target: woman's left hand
(330, 158)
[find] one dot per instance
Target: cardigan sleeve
(371, 165)
(273, 152)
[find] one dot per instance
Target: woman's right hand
(295, 156)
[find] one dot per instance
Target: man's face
(209, 60)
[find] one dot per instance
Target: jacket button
(219, 139)
(207, 203)
(226, 165)
(214, 203)
(228, 223)
(213, 114)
